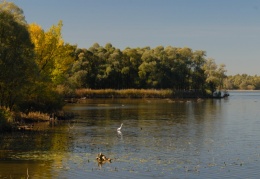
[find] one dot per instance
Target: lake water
(160, 138)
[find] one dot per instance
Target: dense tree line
(242, 82)
(159, 68)
(37, 67)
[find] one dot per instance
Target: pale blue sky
(228, 30)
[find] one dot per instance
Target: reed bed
(123, 93)
(35, 116)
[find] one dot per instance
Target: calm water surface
(160, 138)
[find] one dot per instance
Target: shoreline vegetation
(18, 121)
(136, 93)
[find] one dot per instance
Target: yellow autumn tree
(53, 56)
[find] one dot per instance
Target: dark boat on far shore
(220, 94)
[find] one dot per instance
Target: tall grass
(35, 116)
(124, 93)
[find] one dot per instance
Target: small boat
(220, 94)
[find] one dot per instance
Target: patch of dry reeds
(35, 116)
(123, 93)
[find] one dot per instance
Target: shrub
(5, 118)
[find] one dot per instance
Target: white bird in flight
(118, 129)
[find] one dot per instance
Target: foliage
(15, 11)
(17, 67)
(44, 98)
(159, 68)
(214, 74)
(27, 79)
(52, 56)
(243, 82)
(5, 117)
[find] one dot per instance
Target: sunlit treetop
(11, 8)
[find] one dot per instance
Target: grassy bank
(124, 93)
(12, 120)
(16, 121)
(137, 93)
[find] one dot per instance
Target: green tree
(221, 75)
(81, 69)
(131, 62)
(215, 75)
(197, 73)
(17, 67)
(14, 10)
(113, 67)
(183, 59)
(101, 55)
(210, 68)
(147, 70)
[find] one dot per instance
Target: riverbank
(135, 93)
(17, 121)
(22, 121)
